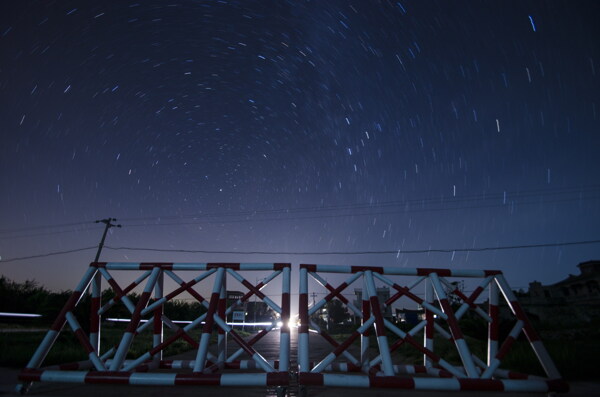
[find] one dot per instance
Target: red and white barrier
(436, 373)
(111, 366)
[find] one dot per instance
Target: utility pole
(109, 224)
(97, 290)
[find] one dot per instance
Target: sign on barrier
(111, 366)
(440, 317)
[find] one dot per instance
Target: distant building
(582, 289)
(576, 298)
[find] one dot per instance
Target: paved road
(269, 348)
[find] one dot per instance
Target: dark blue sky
(308, 126)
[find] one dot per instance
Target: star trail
(300, 127)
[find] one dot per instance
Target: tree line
(30, 297)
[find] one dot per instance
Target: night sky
(300, 127)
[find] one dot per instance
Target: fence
(440, 316)
(374, 365)
(111, 366)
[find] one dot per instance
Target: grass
(18, 347)
(574, 358)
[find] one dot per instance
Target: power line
(398, 252)
(422, 201)
(39, 227)
(48, 233)
(323, 216)
(47, 254)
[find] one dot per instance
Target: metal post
(303, 347)
(222, 335)
(364, 337)
(95, 317)
(429, 327)
(158, 313)
(284, 336)
(493, 325)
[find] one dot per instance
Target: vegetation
(18, 346)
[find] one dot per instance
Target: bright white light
(7, 314)
(279, 324)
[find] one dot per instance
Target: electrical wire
(397, 252)
(47, 254)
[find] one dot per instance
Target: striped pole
(120, 293)
(207, 328)
(459, 341)
(157, 338)
(303, 347)
(510, 339)
(386, 358)
(94, 312)
(364, 337)
(493, 325)
(429, 328)
(125, 343)
(59, 323)
(221, 334)
(284, 336)
(84, 341)
(530, 333)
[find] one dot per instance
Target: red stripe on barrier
(121, 378)
(310, 268)
(481, 384)
(278, 378)
(247, 348)
(285, 312)
(257, 337)
(558, 386)
(429, 325)
(94, 317)
(491, 272)
(152, 265)
(423, 271)
(366, 310)
(329, 339)
(303, 313)
(30, 375)
(212, 307)
(344, 345)
(158, 320)
(391, 382)
(281, 266)
(505, 347)
(137, 313)
(493, 326)
(60, 319)
(520, 314)
(113, 284)
(233, 266)
(337, 294)
(451, 320)
(307, 378)
(84, 341)
(374, 269)
(379, 326)
(198, 379)
(252, 288)
(434, 357)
